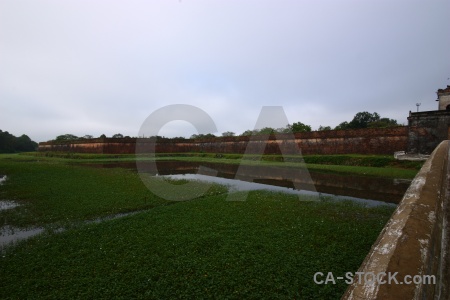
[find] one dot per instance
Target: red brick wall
(357, 141)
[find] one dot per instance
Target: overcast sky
(101, 67)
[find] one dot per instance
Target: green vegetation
(228, 133)
(360, 120)
(67, 137)
(12, 144)
(203, 136)
(289, 128)
(367, 120)
(299, 127)
(76, 156)
(117, 136)
(324, 128)
(267, 247)
(54, 192)
(71, 137)
(370, 165)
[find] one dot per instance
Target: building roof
(444, 91)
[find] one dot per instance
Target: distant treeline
(360, 120)
(12, 144)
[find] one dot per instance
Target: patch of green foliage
(72, 155)
(12, 144)
(379, 161)
(370, 165)
(54, 192)
(365, 119)
(268, 247)
(346, 160)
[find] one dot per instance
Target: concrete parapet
(414, 242)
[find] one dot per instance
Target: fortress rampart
(355, 141)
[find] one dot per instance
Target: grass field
(369, 165)
(267, 247)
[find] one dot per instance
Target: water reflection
(364, 187)
(8, 204)
(238, 185)
(10, 234)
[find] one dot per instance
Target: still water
(362, 187)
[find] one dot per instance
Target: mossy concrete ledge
(414, 241)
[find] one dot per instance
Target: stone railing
(414, 243)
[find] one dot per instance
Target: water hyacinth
(266, 247)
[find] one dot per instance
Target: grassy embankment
(370, 165)
(269, 246)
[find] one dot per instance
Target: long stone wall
(358, 141)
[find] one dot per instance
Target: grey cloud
(93, 67)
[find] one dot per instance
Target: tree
(103, 136)
(383, 122)
(367, 120)
(247, 133)
(118, 136)
(300, 127)
(10, 143)
(362, 119)
(202, 136)
(24, 143)
(324, 128)
(266, 130)
(343, 125)
(66, 137)
(6, 142)
(285, 129)
(228, 133)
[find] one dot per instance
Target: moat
(363, 187)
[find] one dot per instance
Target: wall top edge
(390, 131)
